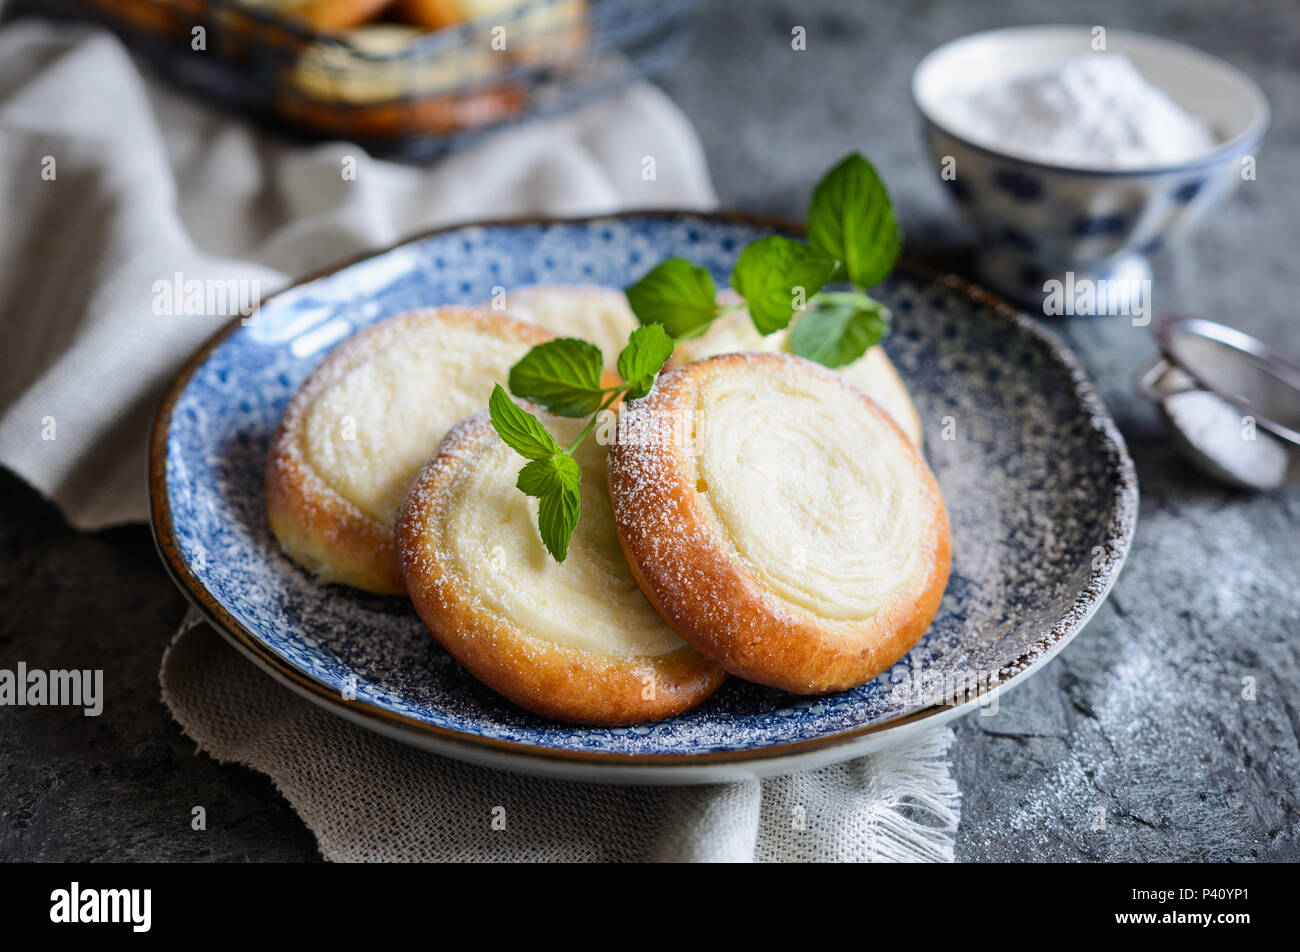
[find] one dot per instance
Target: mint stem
(586, 430)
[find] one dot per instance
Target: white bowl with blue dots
(1034, 221)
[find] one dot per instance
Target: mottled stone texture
(120, 786)
(1140, 725)
(1141, 720)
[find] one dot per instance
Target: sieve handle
(1144, 381)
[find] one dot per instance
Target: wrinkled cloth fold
(111, 183)
(368, 798)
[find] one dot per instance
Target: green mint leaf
(557, 515)
(541, 477)
(852, 219)
(647, 349)
(562, 375)
(775, 276)
(519, 428)
(836, 333)
(554, 480)
(677, 295)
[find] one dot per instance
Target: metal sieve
(1231, 402)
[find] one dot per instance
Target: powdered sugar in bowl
(1075, 152)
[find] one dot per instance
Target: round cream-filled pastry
(373, 67)
(576, 640)
(873, 372)
(594, 313)
(779, 520)
(330, 15)
(360, 427)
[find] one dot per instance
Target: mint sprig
(776, 276)
(559, 375)
(853, 236)
(552, 474)
(851, 219)
(840, 328)
(562, 375)
(557, 517)
(677, 295)
(520, 430)
(648, 349)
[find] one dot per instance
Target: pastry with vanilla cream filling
(873, 372)
(375, 66)
(594, 313)
(779, 520)
(360, 427)
(573, 640)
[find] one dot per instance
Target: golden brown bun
(591, 312)
(748, 604)
(442, 114)
(431, 14)
(155, 16)
(370, 87)
(573, 641)
(873, 373)
(552, 35)
(319, 526)
(331, 15)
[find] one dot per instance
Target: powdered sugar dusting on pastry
(575, 640)
(597, 314)
(780, 520)
(361, 426)
(733, 332)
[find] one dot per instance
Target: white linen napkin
(146, 183)
(110, 182)
(368, 798)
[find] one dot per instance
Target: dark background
(1141, 720)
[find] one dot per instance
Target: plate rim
(702, 766)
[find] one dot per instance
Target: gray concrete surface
(1135, 743)
(1141, 720)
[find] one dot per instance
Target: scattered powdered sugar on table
(1093, 110)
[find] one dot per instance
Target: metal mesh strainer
(1231, 402)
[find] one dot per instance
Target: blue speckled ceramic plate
(1040, 489)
